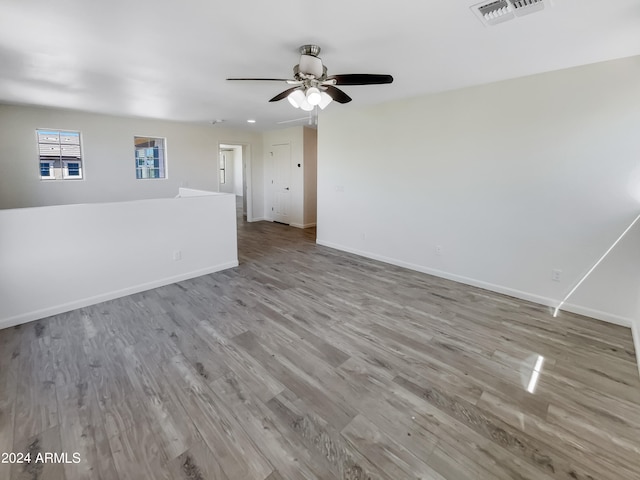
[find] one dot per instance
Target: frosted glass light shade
(313, 96)
(325, 99)
(306, 106)
(297, 98)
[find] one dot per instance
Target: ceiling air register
(498, 11)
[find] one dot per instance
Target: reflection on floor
(306, 362)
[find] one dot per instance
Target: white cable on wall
(555, 312)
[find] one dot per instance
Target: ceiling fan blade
(337, 94)
(284, 94)
(290, 81)
(360, 79)
(262, 79)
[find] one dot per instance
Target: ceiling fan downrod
(313, 50)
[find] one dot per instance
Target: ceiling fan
(311, 85)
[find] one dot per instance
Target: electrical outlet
(439, 250)
(177, 255)
(556, 275)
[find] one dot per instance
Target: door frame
(246, 173)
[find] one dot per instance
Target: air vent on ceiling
(525, 7)
(495, 12)
(498, 11)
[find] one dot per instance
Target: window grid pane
(60, 154)
(45, 169)
(150, 157)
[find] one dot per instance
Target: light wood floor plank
(273, 439)
(137, 455)
(42, 466)
(384, 452)
(548, 460)
(175, 432)
(36, 408)
(197, 463)
(9, 372)
(233, 448)
(82, 432)
(321, 439)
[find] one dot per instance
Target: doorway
(281, 157)
(234, 175)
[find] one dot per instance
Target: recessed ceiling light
(251, 121)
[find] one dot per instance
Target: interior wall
(310, 139)
(109, 167)
(496, 185)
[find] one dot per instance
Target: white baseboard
(635, 333)
(302, 225)
(103, 297)
(259, 219)
(531, 297)
(597, 314)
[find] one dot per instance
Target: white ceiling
(169, 59)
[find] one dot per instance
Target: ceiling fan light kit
(311, 87)
(298, 99)
(307, 100)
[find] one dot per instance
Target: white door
(281, 182)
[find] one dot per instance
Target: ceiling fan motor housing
(310, 65)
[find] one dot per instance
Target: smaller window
(74, 169)
(71, 169)
(150, 157)
(223, 168)
(46, 170)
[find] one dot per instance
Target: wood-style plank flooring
(310, 363)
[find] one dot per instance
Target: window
(223, 168)
(60, 155)
(46, 169)
(73, 169)
(150, 157)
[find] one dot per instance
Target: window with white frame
(60, 154)
(223, 167)
(150, 157)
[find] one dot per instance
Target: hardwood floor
(310, 363)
